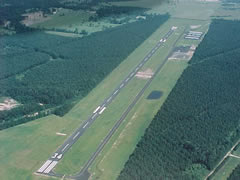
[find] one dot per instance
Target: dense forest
(199, 121)
(39, 68)
(235, 175)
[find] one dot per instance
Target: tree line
(199, 121)
(235, 175)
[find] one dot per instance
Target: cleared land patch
(182, 53)
(8, 104)
(144, 74)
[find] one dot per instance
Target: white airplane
(59, 156)
(55, 155)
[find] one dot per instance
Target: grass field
(225, 13)
(64, 18)
(24, 148)
(226, 169)
(183, 9)
(70, 23)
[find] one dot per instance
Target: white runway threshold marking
(44, 166)
(96, 109)
(52, 165)
(65, 147)
(102, 110)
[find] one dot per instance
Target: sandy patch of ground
(147, 74)
(183, 54)
(60, 134)
(34, 18)
(65, 34)
(209, 0)
(8, 104)
(195, 26)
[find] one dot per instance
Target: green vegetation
(40, 134)
(66, 67)
(112, 159)
(12, 12)
(225, 169)
(24, 148)
(87, 144)
(199, 122)
(235, 174)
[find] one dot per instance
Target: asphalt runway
(48, 166)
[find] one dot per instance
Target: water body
(155, 95)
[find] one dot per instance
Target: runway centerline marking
(86, 124)
(65, 147)
(76, 135)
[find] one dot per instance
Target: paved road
(47, 167)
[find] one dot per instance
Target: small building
(141, 17)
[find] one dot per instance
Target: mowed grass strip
(24, 148)
(226, 169)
